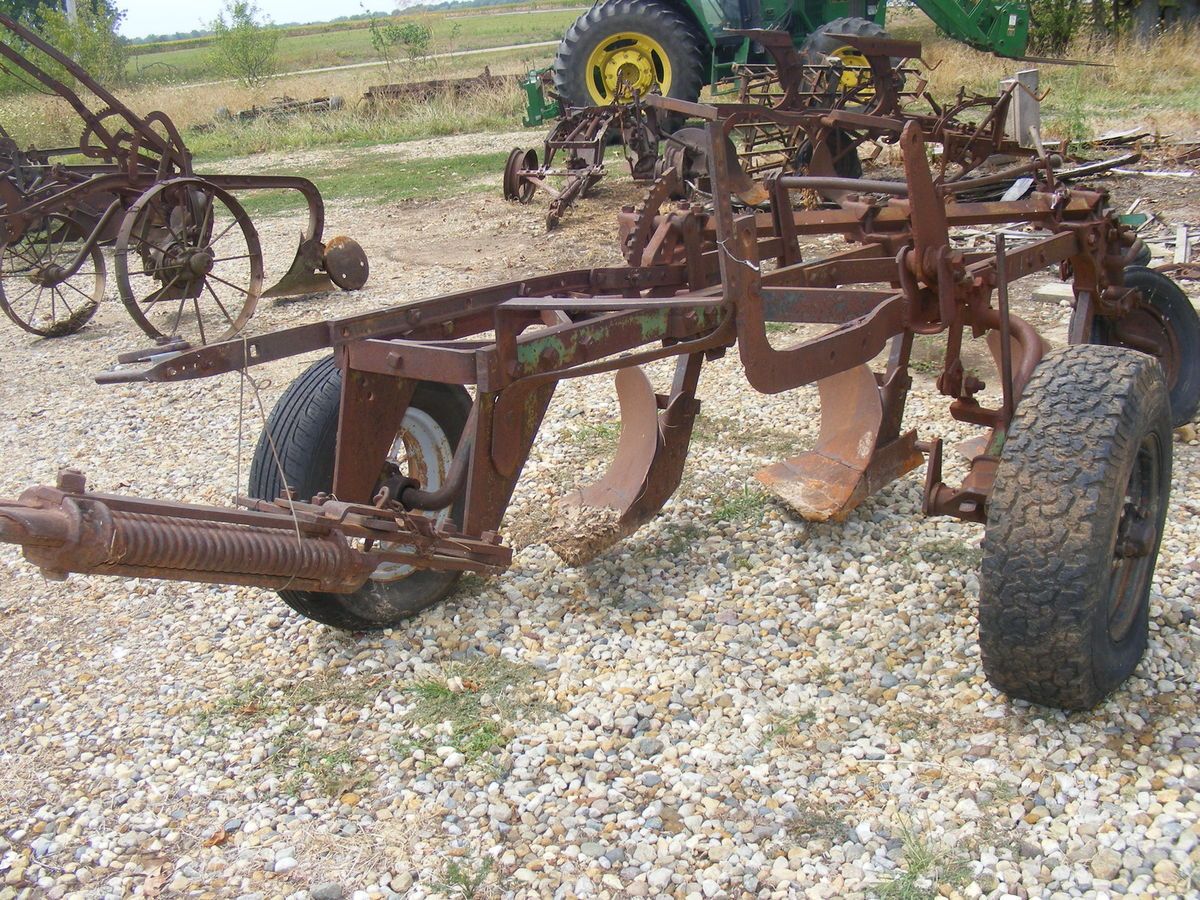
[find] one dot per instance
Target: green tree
(91, 40)
(388, 38)
(244, 46)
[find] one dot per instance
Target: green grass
(463, 879)
(318, 47)
(324, 765)
(475, 699)
(744, 504)
(376, 179)
(927, 867)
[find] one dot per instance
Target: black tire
(818, 45)
(1169, 319)
(1063, 605)
(303, 426)
(677, 35)
(848, 165)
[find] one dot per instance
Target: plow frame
(736, 273)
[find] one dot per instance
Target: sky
(144, 17)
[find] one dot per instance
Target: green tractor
(683, 45)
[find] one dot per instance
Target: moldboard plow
(409, 485)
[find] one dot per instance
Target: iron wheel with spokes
(52, 278)
(188, 263)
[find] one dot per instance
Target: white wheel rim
(422, 452)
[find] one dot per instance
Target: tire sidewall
(376, 604)
(602, 21)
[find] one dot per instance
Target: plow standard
(380, 477)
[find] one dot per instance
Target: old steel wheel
(52, 279)
(516, 186)
(188, 262)
(303, 431)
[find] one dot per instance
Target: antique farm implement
(582, 135)
(380, 478)
(186, 256)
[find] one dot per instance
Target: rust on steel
(119, 195)
(581, 135)
(706, 279)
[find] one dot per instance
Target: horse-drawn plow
(186, 256)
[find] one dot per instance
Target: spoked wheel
(516, 187)
(1166, 326)
(297, 450)
(51, 279)
(1073, 528)
(188, 262)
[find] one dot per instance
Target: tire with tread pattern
(304, 426)
(678, 36)
(1073, 528)
(1169, 317)
(814, 51)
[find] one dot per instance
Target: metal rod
(1006, 373)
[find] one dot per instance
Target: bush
(244, 48)
(91, 40)
(387, 38)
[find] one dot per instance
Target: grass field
(1082, 101)
(311, 48)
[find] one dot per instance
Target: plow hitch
(327, 546)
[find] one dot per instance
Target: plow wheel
(1164, 325)
(1073, 528)
(188, 262)
(297, 450)
(516, 186)
(51, 279)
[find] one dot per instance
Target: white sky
(144, 17)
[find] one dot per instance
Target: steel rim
(634, 58)
(39, 289)
(422, 452)
(1136, 539)
(188, 263)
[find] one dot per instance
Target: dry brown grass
(49, 121)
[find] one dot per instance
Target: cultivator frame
(140, 165)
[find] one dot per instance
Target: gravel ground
(732, 702)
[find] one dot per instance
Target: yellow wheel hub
(633, 60)
(856, 72)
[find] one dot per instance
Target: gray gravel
(730, 703)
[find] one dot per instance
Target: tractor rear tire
(1073, 527)
(303, 428)
(614, 26)
(1168, 319)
